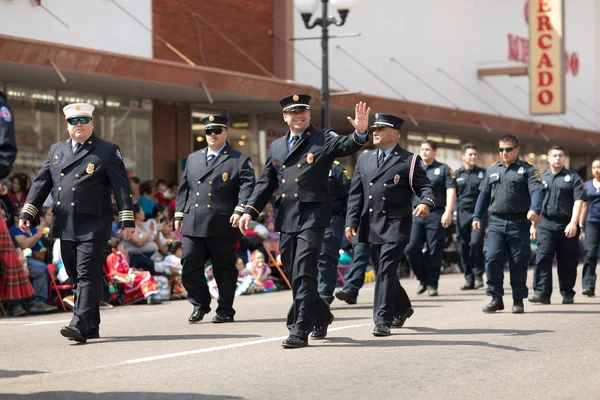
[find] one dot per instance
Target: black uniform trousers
(428, 229)
(221, 251)
(299, 254)
(84, 262)
(507, 238)
(470, 244)
(551, 241)
(390, 297)
(328, 259)
(590, 254)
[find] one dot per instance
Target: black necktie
(381, 159)
(295, 140)
(210, 158)
(76, 147)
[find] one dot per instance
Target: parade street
(449, 349)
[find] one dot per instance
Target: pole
(325, 70)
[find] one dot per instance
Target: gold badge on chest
(310, 158)
(90, 169)
(225, 176)
(396, 179)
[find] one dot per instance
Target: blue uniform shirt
(593, 195)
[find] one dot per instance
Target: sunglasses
(216, 131)
(505, 149)
(297, 111)
(83, 120)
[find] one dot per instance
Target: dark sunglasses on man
(505, 149)
(216, 131)
(84, 120)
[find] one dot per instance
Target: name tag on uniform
(494, 177)
(521, 170)
(460, 179)
(568, 178)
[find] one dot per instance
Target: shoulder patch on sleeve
(118, 154)
(537, 175)
(452, 173)
(5, 114)
(250, 163)
(529, 163)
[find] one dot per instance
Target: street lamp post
(307, 8)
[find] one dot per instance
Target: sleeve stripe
(258, 212)
(30, 209)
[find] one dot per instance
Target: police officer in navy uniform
(380, 211)
(558, 230)
(430, 229)
(8, 144)
(81, 173)
(512, 191)
(210, 201)
(298, 166)
(339, 184)
(468, 180)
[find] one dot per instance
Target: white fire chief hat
(78, 110)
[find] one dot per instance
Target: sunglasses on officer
(216, 131)
(84, 120)
(505, 149)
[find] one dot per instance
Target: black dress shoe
(399, 320)
(495, 305)
(222, 318)
(478, 283)
(539, 298)
(467, 286)
(568, 299)
(421, 289)
(346, 295)
(73, 333)
(197, 316)
(320, 331)
(381, 330)
(588, 292)
(294, 342)
(518, 307)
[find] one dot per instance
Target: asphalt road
(448, 350)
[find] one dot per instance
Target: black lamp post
(307, 9)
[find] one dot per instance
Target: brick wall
(171, 127)
(246, 22)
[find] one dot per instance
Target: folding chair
(54, 287)
(273, 246)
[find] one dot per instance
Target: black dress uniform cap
(383, 120)
(215, 121)
(295, 102)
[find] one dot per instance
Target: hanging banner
(546, 57)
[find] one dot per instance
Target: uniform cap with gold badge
(215, 121)
(295, 102)
(389, 120)
(78, 110)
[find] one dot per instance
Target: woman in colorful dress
(138, 285)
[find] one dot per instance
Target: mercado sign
(546, 57)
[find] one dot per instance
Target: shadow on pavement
(439, 300)
(349, 342)
(566, 312)
(116, 396)
(14, 374)
(284, 320)
(333, 309)
(490, 331)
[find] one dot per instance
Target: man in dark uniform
(298, 165)
(430, 229)
(210, 201)
(468, 180)
(558, 231)
(81, 173)
(512, 191)
(8, 144)
(380, 210)
(339, 184)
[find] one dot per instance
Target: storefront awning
(31, 62)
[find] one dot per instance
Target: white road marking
(226, 347)
(47, 322)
